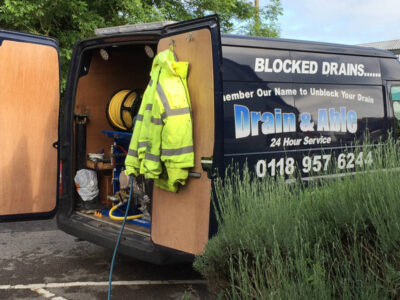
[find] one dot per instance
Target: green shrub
(336, 238)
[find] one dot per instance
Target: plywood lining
(181, 220)
(29, 101)
(127, 68)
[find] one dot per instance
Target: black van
(274, 103)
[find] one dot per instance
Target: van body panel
(268, 65)
(289, 112)
(390, 69)
(29, 107)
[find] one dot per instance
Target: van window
(395, 91)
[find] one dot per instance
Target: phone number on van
(312, 164)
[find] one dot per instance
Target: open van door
(180, 221)
(29, 112)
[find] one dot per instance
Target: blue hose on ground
(131, 179)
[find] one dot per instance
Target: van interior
(115, 75)
(109, 70)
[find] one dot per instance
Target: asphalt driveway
(38, 261)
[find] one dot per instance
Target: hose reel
(122, 108)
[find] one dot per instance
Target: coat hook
(172, 43)
(190, 37)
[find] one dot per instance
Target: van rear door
(29, 109)
(180, 221)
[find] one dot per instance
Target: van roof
(299, 45)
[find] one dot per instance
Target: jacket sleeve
(132, 163)
(139, 138)
(151, 166)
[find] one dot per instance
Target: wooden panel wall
(181, 220)
(127, 68)
(29, 101)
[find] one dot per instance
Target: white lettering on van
(343, 69)
(286, 66)
(329, 68)
(238, 96)
(259, 65)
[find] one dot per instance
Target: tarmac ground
(38, 261)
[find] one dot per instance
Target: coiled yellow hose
(119, 109)
(110, 214)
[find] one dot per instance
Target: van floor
(128, 226)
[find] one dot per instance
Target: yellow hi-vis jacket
(161, 147)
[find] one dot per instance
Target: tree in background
(72, 20)
(265, 21)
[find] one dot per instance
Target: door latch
(207, 165)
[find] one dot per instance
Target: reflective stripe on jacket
(161, 147)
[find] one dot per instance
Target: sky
(340, 21)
